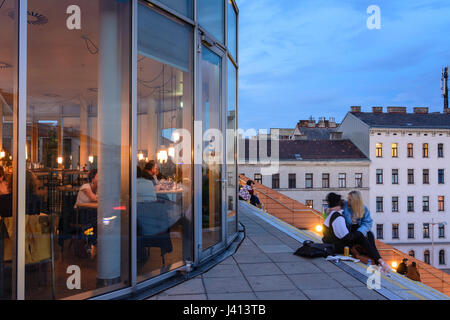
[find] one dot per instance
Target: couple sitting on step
(348, 224)
(247, 193)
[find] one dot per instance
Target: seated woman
(359, 223)
(88, 191)
(145, 189)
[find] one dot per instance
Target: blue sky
(317, 57)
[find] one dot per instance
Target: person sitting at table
(151, 171)
(5, 183)
(88, 191)
(145, 189)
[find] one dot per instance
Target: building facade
(409, 165)
(310, 169)
(117, 143)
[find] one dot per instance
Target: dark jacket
(413, 273)
(402, 268)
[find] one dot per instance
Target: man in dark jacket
(402, 268)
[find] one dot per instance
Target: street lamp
(432, 237)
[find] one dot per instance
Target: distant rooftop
(307, 150)
(397, 117)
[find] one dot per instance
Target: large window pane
(231, 32)
(211, 74)
(8, 96)
(185, 7)
(164, 181)
(210, 14)
(78, 115)
(231, 150)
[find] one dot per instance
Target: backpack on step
(315, 250)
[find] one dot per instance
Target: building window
(379, 150)
(379, 204)
(309, 203)
(426, 231)
(426, 176)
(412, 253)
(441, 257)
(308, 180)
(276, 181)
(441, 231)
(325, 180)
(395, 231)
(425, 150)
(441, 206)
(394, 204)
(410, 150)
(258, 178)
(440, 150)
(426, 256)
(441, 176)
(410, 204)
(380, 233)
(358, 180)
(394, 150)
(292, 181)
(410, 176)
(342, 180)
(410, 230)
(394, 176)
(426, 204)
(379, 177)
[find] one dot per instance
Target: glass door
(212, 169)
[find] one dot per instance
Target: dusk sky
(317, 57)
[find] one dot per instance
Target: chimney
(377, 109)
(335, 135)
(355, 109)
(322, 122)
(332, 123)
(421, 110)
(400, 110)
(303, 123)
(311, 122)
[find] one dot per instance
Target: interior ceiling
(62, 63)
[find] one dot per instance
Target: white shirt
(82, 196)
(339, 225)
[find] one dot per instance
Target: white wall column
(109, 139)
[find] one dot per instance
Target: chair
(154, 220)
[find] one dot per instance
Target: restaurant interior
(78, 139)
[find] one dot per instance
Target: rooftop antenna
(444, 87)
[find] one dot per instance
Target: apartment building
(409, 177)
(310, 169)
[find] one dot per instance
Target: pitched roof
(307, 150)
(405, 120)
(316, 133)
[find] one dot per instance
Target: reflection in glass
(78, 115)
(8, 102)
(164, 181)
(211, 74)
(231, 150)
(231, 29)
(211, 16)
(185, 7)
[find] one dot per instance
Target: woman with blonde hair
(359, 222)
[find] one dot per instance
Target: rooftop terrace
(265, 268)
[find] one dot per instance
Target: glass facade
(8, 128)
(211, 16)
(98, 178)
